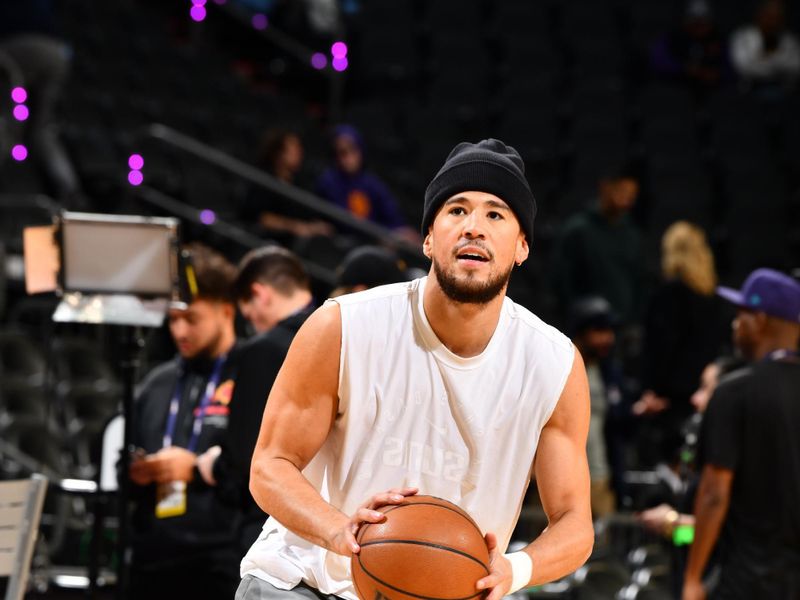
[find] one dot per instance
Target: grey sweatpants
(253, 588)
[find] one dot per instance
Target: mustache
(474, 244)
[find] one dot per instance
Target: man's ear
(427, 245)
(523, 250)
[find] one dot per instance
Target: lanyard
(174, 404)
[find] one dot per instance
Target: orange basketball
(426, 548)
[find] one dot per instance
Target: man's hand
(172, 464)
(205, 464)
(693, 590)
(500, 576)
(343, 539)
(140, 470)
(649, 404)
(656, 518)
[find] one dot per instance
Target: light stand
(112, 270)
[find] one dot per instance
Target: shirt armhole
(561, 383)
(341, 396)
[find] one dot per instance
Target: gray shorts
(253, 588)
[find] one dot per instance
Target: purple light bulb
(19, 94)
(319, 61)
(21, 112)
(207, 216)
(19, 152)
(198, 13)
(135, 177)
(136, 162)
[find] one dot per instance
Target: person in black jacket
(274, 295)
(183, 537)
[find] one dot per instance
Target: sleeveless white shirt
(412, 413)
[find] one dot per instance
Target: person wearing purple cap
(749, 493)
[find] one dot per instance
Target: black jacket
(261, 359)
(207, 523)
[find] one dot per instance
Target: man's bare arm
(710, 509)
(300, 412)
(562, 477)
(298, 416)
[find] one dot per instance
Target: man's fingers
(488, 582)
(367, 515)
(406, 491)
(491, 541)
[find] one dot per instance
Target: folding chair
(20, 509)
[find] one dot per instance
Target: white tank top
(412, 413)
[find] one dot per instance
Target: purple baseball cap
(767, 291)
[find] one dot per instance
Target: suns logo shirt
(412, 413)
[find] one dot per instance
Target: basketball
(426, 548)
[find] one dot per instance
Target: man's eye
(495, 215)
(457, 210)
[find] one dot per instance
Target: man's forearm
(282, 491)
(562, 547)
(710, 509)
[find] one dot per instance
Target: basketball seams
(404, 592)
(457, 510)
(428, 545)
(359, 571)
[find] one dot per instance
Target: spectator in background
(366, 267)
(350, 186)
(683, 331)
(695, 53)
(281, 155)
(675, 508)
(273, 291)
(749, 488)
(32, 50)
(599, 251)
(592, 328)
(765, 55)
(183, 538)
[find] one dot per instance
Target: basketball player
(441, 385)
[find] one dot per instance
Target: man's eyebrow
(491, 203)
(496, 204)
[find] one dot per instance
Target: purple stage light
(19, 95)
(19, 152)
(136, 162)
(259, 21)
(135, 177)
(319, 60)
(21, 112)
(339, 64)
(199, 2)
(207, 216)
(198, 13)
(339, 50)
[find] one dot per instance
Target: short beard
(470, 291)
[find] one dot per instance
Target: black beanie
(488, 166)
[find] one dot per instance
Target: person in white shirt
(440, 385)
(765, 53)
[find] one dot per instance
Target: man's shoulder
(732, 382)
(539, 329)
(157, 378)
(381, 293)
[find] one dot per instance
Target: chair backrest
(20, 509)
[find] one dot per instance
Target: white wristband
(521, 570)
